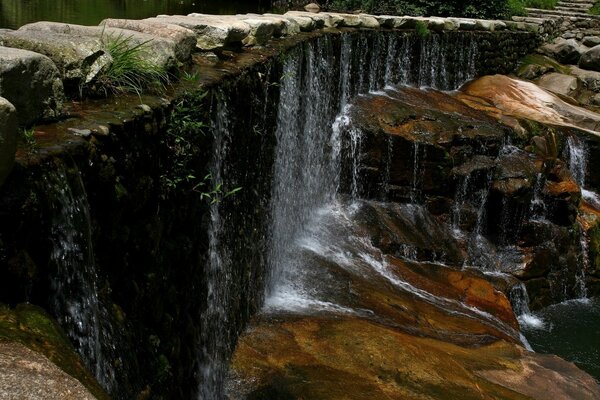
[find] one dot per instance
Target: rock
(29, 375)
(357, 20)
(532, 71)
(306, 24)
(590, 60)
(558, 83)
(261, 30)
(282, 26)
(312, 7)
(212, 32)
(184, 39)
(31, 82)
(591, 79)
(78, 58)
(564, 51)
(318, 19)
(37, 361)
(8, 138)
(154, 49)
(527, 100)
(591, 41)
(595, 100)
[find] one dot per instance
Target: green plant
(421, 29)
(213, 192)
(28, 139)
(545, 4)
(595, 10)
(130, 70)
(190, 76)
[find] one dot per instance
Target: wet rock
(29, 375)
(8, 138)
(590, 60)
(558, 83)
(565, 51)
(212, 32)
(31, 82)
(78, 58)
(527, 100)
(37, 360)
(154, 49)
(184, 39)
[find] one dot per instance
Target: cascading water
(215, 341)
(75, 299)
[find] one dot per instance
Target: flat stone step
(558, 14)
(584, 6)
(571, 9)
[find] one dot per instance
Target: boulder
(78, 58)
(312, 7)
(527, 100)
(591, 79)
(591, 59)
(8, 138)
(29, 375)
(282, 25)
(558, 83)
(532, 71)
(330, 20)
(357, 20)
(591, 41)
(31, 82)
(564, 51)
(154, 49)
(184, 39)
(306, 24)
(212, 31)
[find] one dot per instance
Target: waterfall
(313, 125)
(215, 340)
(74, 298)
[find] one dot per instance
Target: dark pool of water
(14, 13)
(570, 330)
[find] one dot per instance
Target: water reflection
(14, 13)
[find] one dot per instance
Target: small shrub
(595, 10)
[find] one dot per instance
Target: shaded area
(13, 14)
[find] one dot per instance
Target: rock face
(591, 59)
(31, 82)
(8, 138)
(29, 375)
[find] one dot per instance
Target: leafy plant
(595, 10)
(213, 192)
(130, 70)
(28, 139)
(421, 29)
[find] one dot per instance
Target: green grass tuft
(130, 70)
(595, 10)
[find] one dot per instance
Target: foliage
(457, 8)
(28, 139)
(185, 140)
(595, 10)
(130, 70)
(421, 29)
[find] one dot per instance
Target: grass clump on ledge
(130, 70)
(595, 10)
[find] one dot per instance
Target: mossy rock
(34, 328)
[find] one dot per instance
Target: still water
(14, 13)
(570, 330)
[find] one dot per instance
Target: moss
(34, 328)
(538, 59)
